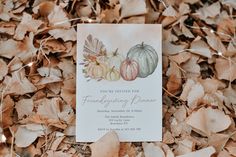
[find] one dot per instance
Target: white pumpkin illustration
(115, 59)
(147, 58)
(96, 70)
(113, 75)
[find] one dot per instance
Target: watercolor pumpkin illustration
(113, 74)
(115, 59)
(103, 59)
(147, 58)
(129, 69)
(96, 70)
(141, 61)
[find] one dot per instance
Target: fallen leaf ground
(37, 76)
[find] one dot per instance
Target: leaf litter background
(37, 76)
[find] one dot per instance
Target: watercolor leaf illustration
(94, 46)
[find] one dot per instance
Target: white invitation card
(119, 81)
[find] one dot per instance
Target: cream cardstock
(119, 81)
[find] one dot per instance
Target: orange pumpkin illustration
(129, 69)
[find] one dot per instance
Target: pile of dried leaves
(37, 76)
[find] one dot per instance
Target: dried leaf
(187, 87)
(24, 107)
(64, 34)
(7, 27)
(26, 135)
(107, 146)
(68, 92)
(9, 48)
(68, 69)
(111, 15)
(174, 81)
(211, 85)
(54, 46)
(191, 67)
(214, 99)
(184, 8)
(67, 114)
(31, 150)
(207, 120)
(167, 21)
(216, 43)
(168, 138)
(84, 11)
(3, 69)
(49, 108)
(230, 3)
(231, 49)
(201, 48)
(135, 19)
(58, 153)
(59, 138)
(168, 37)
(205, 152)
(218, 141)
(70, 130)
(46, 72)
(5, 9)
(195, 95)
(50, 75)
(27, 24)
(225, 69)
(58, 17)
(132, 8)
(44, 8)
(24, 50)
(181, 57)
(186, 31)
(184, 147)
(231, 147)
(180, 114)
(7, 111)
(171, 49)
(170, 12)
(230, 95)
(209, 11)
(55, 87)
(20, 85)
(124, 147)
(226, 28)
(224, 153)
(151, 150)
(151, 16)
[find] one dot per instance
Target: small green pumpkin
(147, 58)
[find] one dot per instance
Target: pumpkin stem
(103, 53)
(112, 69)
(97, 63)
(128, 60)
(116, 52)
(142, 44)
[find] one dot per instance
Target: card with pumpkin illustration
(119, 81)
